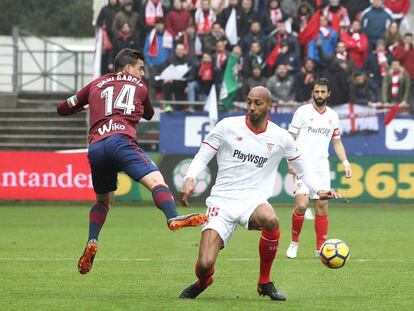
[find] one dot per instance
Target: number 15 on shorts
(213, 211)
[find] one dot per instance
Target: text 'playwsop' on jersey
(250, 157)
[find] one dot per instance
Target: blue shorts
(114, 154)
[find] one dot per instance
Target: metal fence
(40, 64)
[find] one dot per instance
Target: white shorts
(323, 173)
(224, 214)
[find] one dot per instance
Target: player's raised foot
(317, 253)
(86, 260)
(269, 289)
(292, 250)
(194, 290)
(190, 220)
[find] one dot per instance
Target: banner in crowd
(362, 133)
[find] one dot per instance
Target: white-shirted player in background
(248, 149)
(313, 127)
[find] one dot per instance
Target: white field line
(39, 259)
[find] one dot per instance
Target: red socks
(321, 229)
(297, 222)
(204, 278)
(269, 241)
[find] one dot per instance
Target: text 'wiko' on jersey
(117, 101)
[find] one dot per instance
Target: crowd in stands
(359, 45)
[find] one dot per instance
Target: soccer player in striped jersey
(117, 101)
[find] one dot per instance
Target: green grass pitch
(141, 265)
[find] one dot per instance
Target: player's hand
(329, 194)
(187, 190)
(348, 171)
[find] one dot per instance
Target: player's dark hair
(125, 57)
(321, 82)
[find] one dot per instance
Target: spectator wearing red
(154, 10)
(356, 44)
(405, 54)
(399, 8)
(337, 15)
(204, 18)
(177, 19)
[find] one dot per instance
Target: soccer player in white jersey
(313, 127)
(248, 149)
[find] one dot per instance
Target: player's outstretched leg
(205, 279)
(97, 216)
(269, 241)
(297, 223)
(164, 200)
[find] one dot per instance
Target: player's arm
(148, 109)
(208, 149)
(341, 154)
(198, 165)
(75, 103)
(296, 159)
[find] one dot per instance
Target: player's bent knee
(301, 208)
(271, 223)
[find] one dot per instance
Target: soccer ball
(334, 253)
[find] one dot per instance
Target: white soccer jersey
(314, 131)
(248, 160)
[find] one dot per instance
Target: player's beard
(320, 102)
(257, 118)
